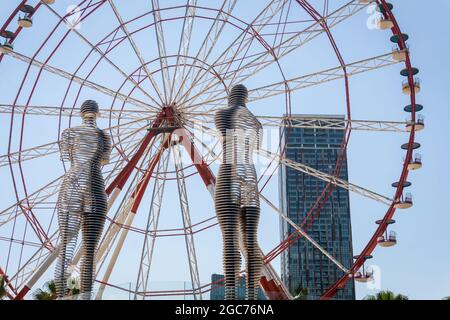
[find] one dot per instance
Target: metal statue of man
(82, 201)
(236, 195)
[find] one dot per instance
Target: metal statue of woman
(236, 195)
(82, 201)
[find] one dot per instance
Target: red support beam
(123, 176)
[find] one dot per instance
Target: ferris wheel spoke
(239, 45)
(40, 195)
(32, 270)
(304, 234)
(314, 79)
(148, 246)
(261, 60)
(326, 177)
(136, 50)
(119, 218)
(319, 123)
(100, 52)
(208, 43)
(312, 172)
(41, 110)
(211, 105)
(29, 154)
(135, 199)
(317, 78)
(183, 48)
(187, 224)
(83, 82)
(210, 155)
(161, 49)
(130, 145)
(334, 124)
(48, 148)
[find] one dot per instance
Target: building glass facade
(218, 290)
(302, 265)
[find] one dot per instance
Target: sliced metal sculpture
(236, 194)
(82, 201)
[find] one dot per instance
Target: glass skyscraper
(302, 265)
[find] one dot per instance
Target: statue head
(89, 109)
(238, 95)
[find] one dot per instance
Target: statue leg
(91, 228)
(248, 221)
(227, 212)
(231, 256)
(69, 225)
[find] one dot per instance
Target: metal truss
(295, 226)
(84, 82)
(320, 77)
(53, 147)
(305, 81)
(208, 43)
(29, 202)
(100, 52)
(239, 45)
(326, 177)
(311, 171)
(304, 234)
(72, 112)
(321, 123)
(129, 213)
(161, 49)
(265, 58)
(148, 246)
(30, 272)
(183, 48)
(124, 28)
(297, 40)
(333, 124)
(187, 224)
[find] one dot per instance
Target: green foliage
(301, 293)
(2, 287)
(386, 295)
(49, 292)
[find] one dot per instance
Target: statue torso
(85, 146)
(241, 133)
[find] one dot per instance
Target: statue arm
(65, 145)
(107, 148)
(259, 136)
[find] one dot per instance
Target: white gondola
(6, 47)
(398, 55)
(363, 277)
(406, 203)
(384, 24)
(416, 162)
(387, 240)
(25, 22)
(406, 88)
(418, 126)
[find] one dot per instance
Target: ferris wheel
(160, 70)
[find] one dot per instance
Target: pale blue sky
(417, 267)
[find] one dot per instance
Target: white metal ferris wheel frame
(188, 102)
